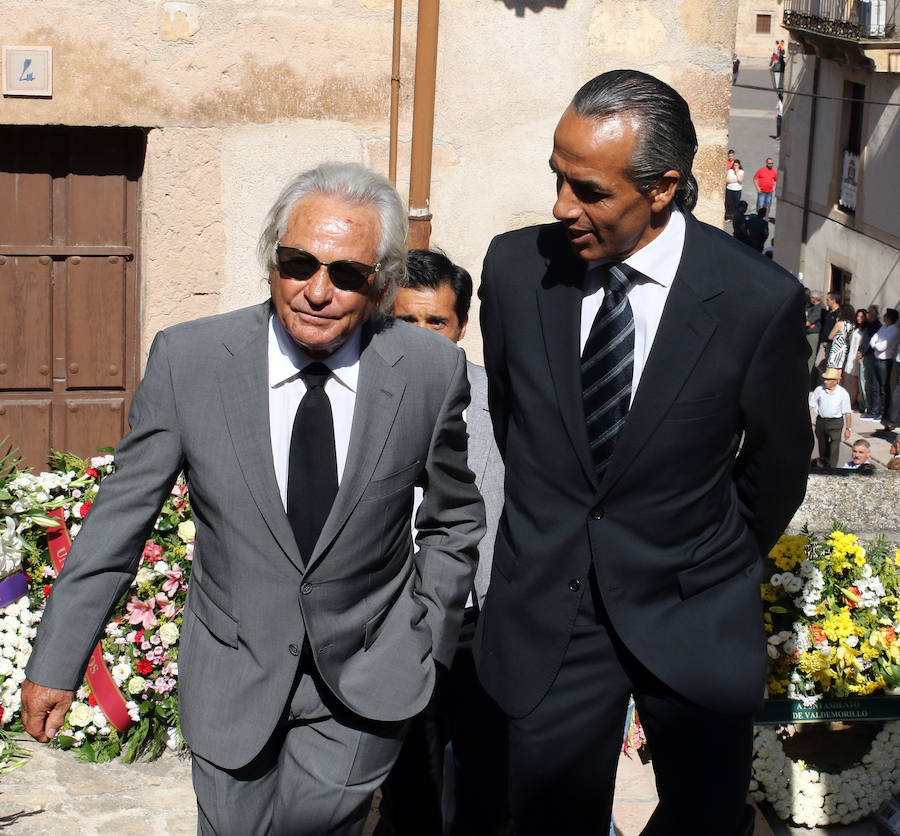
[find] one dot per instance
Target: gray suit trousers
(315, 777)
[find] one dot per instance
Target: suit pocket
(740, 557)
(395, 482)
(219, 623)
(694, 409)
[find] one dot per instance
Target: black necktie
(312, 468)
(606, 366)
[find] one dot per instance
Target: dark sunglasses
(345, 274)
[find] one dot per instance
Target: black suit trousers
(564, 754)
(413, 800)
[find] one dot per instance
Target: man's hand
(44, 710)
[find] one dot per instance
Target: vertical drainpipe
(804, 229)
(395, 93)
(423, 125)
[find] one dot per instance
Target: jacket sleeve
(105, 555)
(773, 463)
(450, 522)
(494, 360)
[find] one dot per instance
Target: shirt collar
(659, 260)
(287, 359)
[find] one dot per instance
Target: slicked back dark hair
(431, 269)
(666, 139)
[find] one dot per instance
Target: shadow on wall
(519, 6)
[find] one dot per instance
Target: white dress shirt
(657, 264)
(885, 342)
(834, 403)
(286, 389)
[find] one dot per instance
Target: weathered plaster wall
(748, 43)
(239, 94)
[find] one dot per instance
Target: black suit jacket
(706, 473)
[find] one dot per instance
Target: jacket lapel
(379, 391)
(559, 304)
(243, 382)
(684, 330)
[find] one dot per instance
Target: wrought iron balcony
(855, 20)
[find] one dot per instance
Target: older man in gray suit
(436, 296)
(312, 630)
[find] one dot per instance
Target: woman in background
(851, 367)
(734, 180)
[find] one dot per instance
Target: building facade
(838, 224)
(136, 185)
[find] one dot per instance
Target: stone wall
(868, 505)
(239, 94)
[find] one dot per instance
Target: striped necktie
(606, 366)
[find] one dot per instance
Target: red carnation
(85, 507)
(92, 472)
(144, 666)
(139, 636)
(91, 700)
(46, 589)
(1, 714)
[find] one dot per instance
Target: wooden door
(68, 286)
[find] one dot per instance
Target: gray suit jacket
(486, 464)
(375, 616)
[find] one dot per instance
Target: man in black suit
(647, 380)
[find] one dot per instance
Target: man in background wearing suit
(436, 295)
(647, 380)
(312, 631)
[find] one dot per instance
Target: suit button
(597, 512)
(574, 584)
(295, 651)
(306, 588)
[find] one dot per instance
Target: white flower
(168, 633)
(173, 738)
(775, 580)
(133, 711)
(187, 531)
(120, 673)
(794, 585)
(144, 575)
(80, 714)
(136, 685)
(161, 567)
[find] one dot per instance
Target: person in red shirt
(764, 180)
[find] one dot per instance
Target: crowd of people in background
(859, 348)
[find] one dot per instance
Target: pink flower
(167, 608)
(180, 494)
(174, 576)
(152, 552)
(141, 612)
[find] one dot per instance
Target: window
(840, 283)
(763, 24)
(851, 145)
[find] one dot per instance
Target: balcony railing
(851, 19)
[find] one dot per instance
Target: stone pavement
(56, 795)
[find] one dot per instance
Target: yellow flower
(776, 686)
(789, 551)
(840, 625)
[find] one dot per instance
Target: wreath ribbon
(12, 588)
(108, 695)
